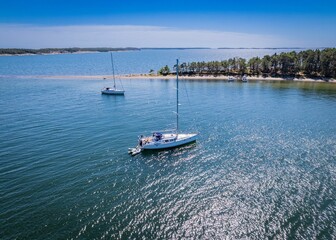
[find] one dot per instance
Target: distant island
(163, 48)
(24, 51)
(28, 51)
(271, 48)
(288, 65)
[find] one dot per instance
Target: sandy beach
(220, 78)
(169, 77)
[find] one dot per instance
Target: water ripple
(264, 165)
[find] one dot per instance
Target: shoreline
(223, 78)
(170, 77)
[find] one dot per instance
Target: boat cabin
(157, 136)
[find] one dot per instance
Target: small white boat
(244, 78)
(113, 90)
(231, 79)
(165, 139)
(134, 151)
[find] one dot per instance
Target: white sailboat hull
(164, 143)
(113, 92)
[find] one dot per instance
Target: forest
(21, 51)
(309, 63)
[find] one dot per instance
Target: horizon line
(165, 48)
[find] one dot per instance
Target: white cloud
(29, 36)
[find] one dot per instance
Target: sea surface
(263, 167)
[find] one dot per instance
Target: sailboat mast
(113, 71)
(177, 96)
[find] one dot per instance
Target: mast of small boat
(114, 83)
(177, 97)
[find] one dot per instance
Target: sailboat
(165, 139)
(113, 90)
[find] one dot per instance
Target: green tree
(266, 64)
(328, 62)
(254, 65)
(164, 71)
(241, 65)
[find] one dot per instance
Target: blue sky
(37, 24)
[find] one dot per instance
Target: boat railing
(165, 131)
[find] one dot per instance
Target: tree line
(20, 51)
(309, 63)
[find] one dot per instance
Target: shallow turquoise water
(264, 165)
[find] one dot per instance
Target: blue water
(264, 165)
(125, 62)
